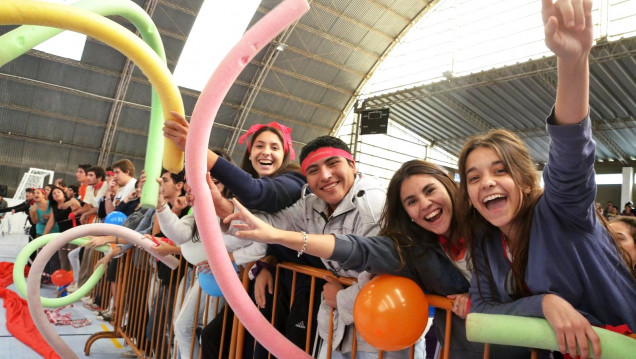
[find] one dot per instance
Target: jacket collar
(345, 205)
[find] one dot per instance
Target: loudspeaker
(374, 121)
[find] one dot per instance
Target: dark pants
(292, 323)
(53, 264)
(160, 321)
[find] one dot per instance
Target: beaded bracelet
(302, 250)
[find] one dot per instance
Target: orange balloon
(61, 277)
(390, 312)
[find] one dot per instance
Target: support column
(626, 187)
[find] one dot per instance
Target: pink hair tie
(286, 131)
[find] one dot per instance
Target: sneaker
(87, 299)
(106, 316)
(92, 307)
(129, 354)
(72, 288)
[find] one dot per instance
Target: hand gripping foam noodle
(196, 152)
(537, 333)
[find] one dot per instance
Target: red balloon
(390, 312)
(61, 277)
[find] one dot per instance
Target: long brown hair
(286, 166)
(631, 223)
(395, 222)
(521, 167)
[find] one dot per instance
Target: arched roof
(56, 113)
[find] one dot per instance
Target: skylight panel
(218, 27)
(67, 44)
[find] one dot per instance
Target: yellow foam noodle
(21, 12)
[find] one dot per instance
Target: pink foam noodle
(33, 281)
(261, 34)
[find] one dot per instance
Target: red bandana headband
(324, 152)
(286, 131)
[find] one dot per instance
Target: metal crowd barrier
(137, 281)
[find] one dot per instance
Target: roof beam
(602, 52)
(336, 40)
(599, 127)
(120, 95)
(317, 5)
(309, 80)
(290, 97)
(72, 146)
(616, 150)
(325, 61)
(387, 9)
(277, 117)
(467, 114)
(270, 55)
(65, 89)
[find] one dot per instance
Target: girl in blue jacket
(544, 253)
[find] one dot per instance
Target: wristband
(302, 250)
(161, 207)
(260, 265)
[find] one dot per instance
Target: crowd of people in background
(610, 211)
(496, 242)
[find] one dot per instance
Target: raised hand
(177, 130)
(180, 204)
(568, 27)
(252, 227)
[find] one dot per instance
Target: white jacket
(358, 213)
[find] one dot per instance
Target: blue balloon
(115, 217)
(209, 285)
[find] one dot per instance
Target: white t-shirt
(91, 198)
(124, 191)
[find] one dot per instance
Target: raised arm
(263, 194)
(569, 35)
(177, 130)
(22, 207)
(319, 245)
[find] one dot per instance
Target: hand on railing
(263, 284)
(460, 304)
(330, 291)
(537, 333)
(570, 327)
